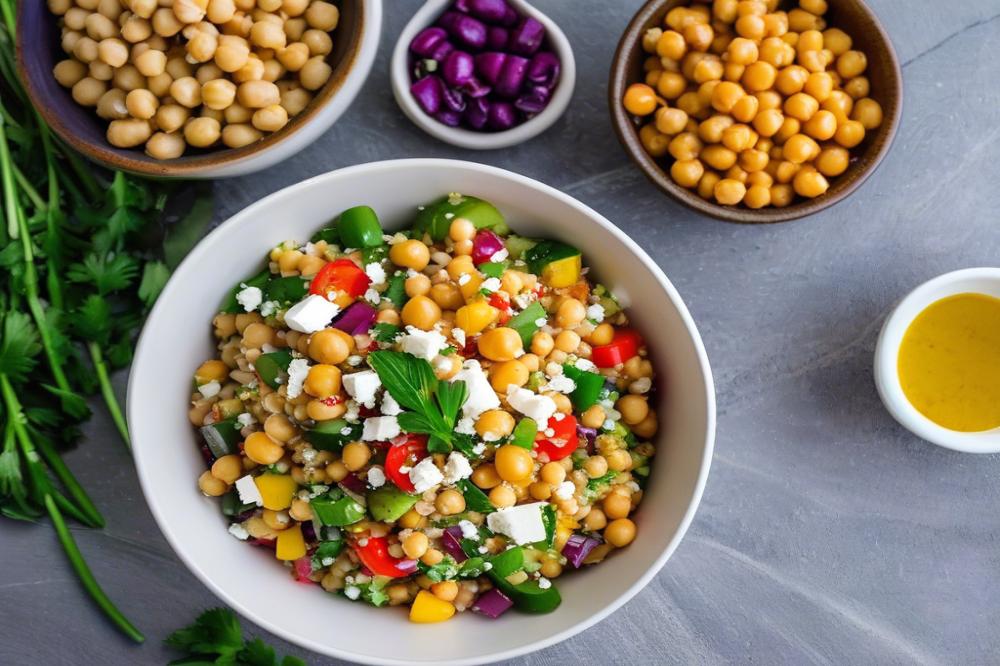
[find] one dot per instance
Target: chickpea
(421, 312)
(616, 505)
(218, 94)
(595, 466)
(450, 502)
(833, 161)
(620, 533)
(513, 463)
(186, 91)
(751, 26)
(268, 35)
(485, 476)
(868, 112)
(850, 134)
(355, 455)
(323, 381)
(633, 408)
(202, 132)
(508, 373)
(170, 117)
(128, 133)
(670, 85)
(315, 73)
(685, 146)
(706, 186)
(595, 521)
(239, 135)
(851, 64)
(687, 173)
(759, 76)
(257, 94)
(295, 100)
(111, 105)
(821, 126)
(318, 41)
(800, 148)
(718, 157)
(227, 469)
(499, 344)
(261, 449)
(494, 424)
(729, 192)
(432, 557)
(270, 118)
(503, 496)
(810, 183)
(141, 104)
(415, 545)
(322, 15)
(211, 486)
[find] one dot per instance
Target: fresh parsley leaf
(446, 569)
(107, 273)
(386, 332)
(475, 499)
(395, 291)
(594, 486)
(154, 277)
(18, 347)
(217, 638)
(93, 319)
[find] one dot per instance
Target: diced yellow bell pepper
(475, 316)
(564, 530)
(427, 608)
(278, 490)
(291, 545)
(563, 272)
(471, 288)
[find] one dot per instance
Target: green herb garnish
(216, 637)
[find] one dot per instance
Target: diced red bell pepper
(407, 454)
(500, 302)
(340, 275)
(563, 441)
(623, 346)
(374, 554)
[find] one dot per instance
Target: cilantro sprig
(433, 405)
(216, 637)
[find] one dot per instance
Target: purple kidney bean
(491, 11)
(427, 40)
(476, 113)
(458, 68)
(527, 37)
(511, 76)
(489, 65)
(467, 30)
(496, 37)
(544, 69)
(501, 116)
(442, 51)
(428, 92)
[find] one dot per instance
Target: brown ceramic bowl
(852, 16)
(355, 42)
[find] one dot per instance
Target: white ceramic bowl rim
(984, 280)
(465, 138)
(201, 255)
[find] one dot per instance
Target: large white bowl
(177, 339)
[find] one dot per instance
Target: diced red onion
(491, 11)
(458, 68)
(453, 100)
(449, 117)
(496, 37)
(475, 113)
(544, 69)
(475, 88)
(465, 29)
(485, 245)
(263, 543)
(577, 548)
(590, 434)
(501, 116)
(492, 603)
(427, 40)
(451, 540)
(354, 484)
(511, 76)
(527, 37)
(308, 531)
(406, 566)
(357, 318)
(303, 569)
(428, 92)
(489, 65)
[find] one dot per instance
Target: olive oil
(949, 362)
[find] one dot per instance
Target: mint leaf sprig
(433, 404)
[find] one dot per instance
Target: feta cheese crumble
(425, 475)
(380, 429)
(500, 255)
(376, 477)
(210, 390)
(544, 583)
(298, 370)
(362, 386)
(491, 284)
(465, 427)
(373, 296)
(389, 405)
(481, 396)
(352, 592)
(246, 419)
(422, 344)
(522, 523)
(457, 468)
(459, 336)
(585, 364)
(537, 407)
(463, 279)
(469, 531)
(560, 384)
(375, 273)
(311, 314)
(250, 298)
(239, 532)
(268, 308)
(248, 490)
(565, 490)
(595, 313)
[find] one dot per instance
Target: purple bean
(465, 29)
(532, 103)
(453, 99)
(448, 20)
(442, 51)
(496, 38)
(427, 40)
(510, 18)
(449, 117)
(501, 116)
(461, 5)
(491, 11)
(458, 68)
(476, 89)
(428, 92)
(475, 113)
(544, 69)
(489, 66)
(527, 37)
(511, 76)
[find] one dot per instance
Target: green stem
(7, 181)
(107, 392)
(65, 476)
(8, 17)
(27, 188)
(53, 285)
(90, 584)
(90, 184)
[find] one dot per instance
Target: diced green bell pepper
(507, 562)
(232, 506)
(330, 435)
(336, 512)
(524, 433)
(271, 366)
(475, 499)
(330, 235)
(388, 503)
(493, 269)
(524, 322)
(327, 550)
(359, 228)
(436, 218)
(222, 437)
(528, 596)
(588, 387)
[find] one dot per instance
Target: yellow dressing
(949, 362)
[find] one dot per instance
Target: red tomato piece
(563, 441)
(374, 554)
(503, 305)
(407, 454)
(623, 346)
(340, 275)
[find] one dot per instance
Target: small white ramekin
(464, 138)
(970, 280)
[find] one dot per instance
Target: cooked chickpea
(261, 449)
(503, 375)
(211, 486)
(503, 496)
(202, 132)
(687, 173)
(485, 476)
(810, 183)
(421, 312)
(415, 545)
(499, 344)
(228, 468)
(239, 135)
(270, 118)
(258, 94)
(494, 424)
(218, 94)
(620, 533)
(567, 341)
(729, 192)
(323, 381)
(410, 254)
(633, 408)
(315, 73)
(833, 161)
(355, 455)
(513, 463)
(868, 112)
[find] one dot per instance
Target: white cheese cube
(380, 429)
(422, 344)
(457, 468)
(534, 406)
(389, 405)
(375, 273)
(249, 493)
(376, 477)
(425, 475)
(311, 314)
(298, 370)
(239, 532)
(362, 386)
(523, 523)
(210, 390)
(560, 384)
(481, 396)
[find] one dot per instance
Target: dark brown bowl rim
(629, 138)
(195, 165)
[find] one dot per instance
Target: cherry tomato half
(563, 441)
(407, 454)
(374, 554)
(340, 275)
(623, 346)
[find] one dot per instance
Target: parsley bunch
(217, 638)
(83, 255)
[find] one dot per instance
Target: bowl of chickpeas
(175, 340)
(194, 88)
(756, 111)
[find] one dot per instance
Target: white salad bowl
(177, 338)
(466, 138)
(970, 280)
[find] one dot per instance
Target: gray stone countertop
(827, 533)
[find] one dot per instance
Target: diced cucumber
(388, 503)
(518, 245)
(524, 322)
(272, 366)
(436, 218)
(222, 437)
(330, 435)
(475, 499)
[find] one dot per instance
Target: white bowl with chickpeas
(756, 111)
(195, 88)
(168, 458)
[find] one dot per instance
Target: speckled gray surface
(827, 534)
